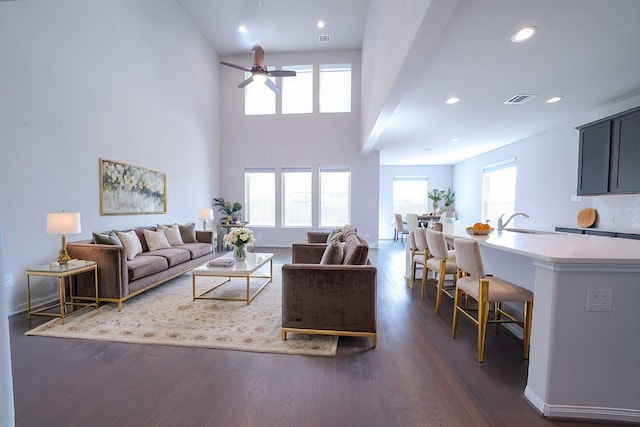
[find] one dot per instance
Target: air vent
(324, 38)
(518, 99)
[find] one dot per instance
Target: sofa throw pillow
(337, 235)
(188, 233)
(110, 238)
(156, 240)
(172, 233)
(131, 243)
(333, 253)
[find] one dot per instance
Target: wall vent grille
(324, 38)
(519, 99)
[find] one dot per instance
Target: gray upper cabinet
(625, 154)
(609, 155)
(593, 164)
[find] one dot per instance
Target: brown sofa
(330, 299)
(120, 279)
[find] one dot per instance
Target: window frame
(329, 97)
(334, 169)
(488, 205)
(284, 173)
(247, 196)
(297, 90)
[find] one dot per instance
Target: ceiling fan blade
(272, 85)
(281, 73)
(237, 67)
(246, 82)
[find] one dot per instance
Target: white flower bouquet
(239, 237)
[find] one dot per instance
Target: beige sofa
(120, 278)
(330, 299)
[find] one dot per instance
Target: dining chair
(442, 263)
(487, 290)
(447, 215)
(400, 229)
(412, 221)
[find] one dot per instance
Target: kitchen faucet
(502, 225)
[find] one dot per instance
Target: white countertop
(556, 247)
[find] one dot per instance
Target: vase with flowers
(239, 238)
(436, 195)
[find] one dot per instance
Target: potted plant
(435, 195)
(230, 211)
(449, 197)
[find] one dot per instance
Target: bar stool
(413, 251)
(485, 290)
(420, 256)
(443, 262)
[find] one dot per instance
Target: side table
(61, 272)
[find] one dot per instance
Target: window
(258, 98)
(410, 195)
(335, 184)
(335, 88)
(259, 199)
(297, 92)
(498, 190)
(296, 197)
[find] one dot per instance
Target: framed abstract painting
(130, 190)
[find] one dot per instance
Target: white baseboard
(574, 412)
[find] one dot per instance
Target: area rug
(167, 315)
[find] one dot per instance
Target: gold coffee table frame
(62, 272)
(240, 269)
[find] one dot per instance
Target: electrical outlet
(599, 299)
(8, 280)
(575, 198)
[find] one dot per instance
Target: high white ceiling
(587, 51)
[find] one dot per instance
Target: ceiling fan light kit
(259, 71)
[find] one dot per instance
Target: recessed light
(428, 149)
(553, 99)
(455, 139)
(523, 34)
(242, 29)
(320, 24)
(452, 100)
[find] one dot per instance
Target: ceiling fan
(259, 71)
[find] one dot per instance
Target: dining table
(425, 219)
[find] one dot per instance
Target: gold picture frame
(127, 189)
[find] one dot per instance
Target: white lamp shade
(63, 223)
(205, 214)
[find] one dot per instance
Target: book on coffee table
(221, 262)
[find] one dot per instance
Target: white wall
(438, 177)
(389, 31)
(296, 140)
(7, 411)
(547, 177)
(128, 80)
(401, 32)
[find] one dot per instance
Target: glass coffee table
(239, 269)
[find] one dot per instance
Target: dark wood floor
(417, 376)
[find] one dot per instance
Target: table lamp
(205, 215)
(63, 223)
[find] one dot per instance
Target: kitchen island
(583, 364)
